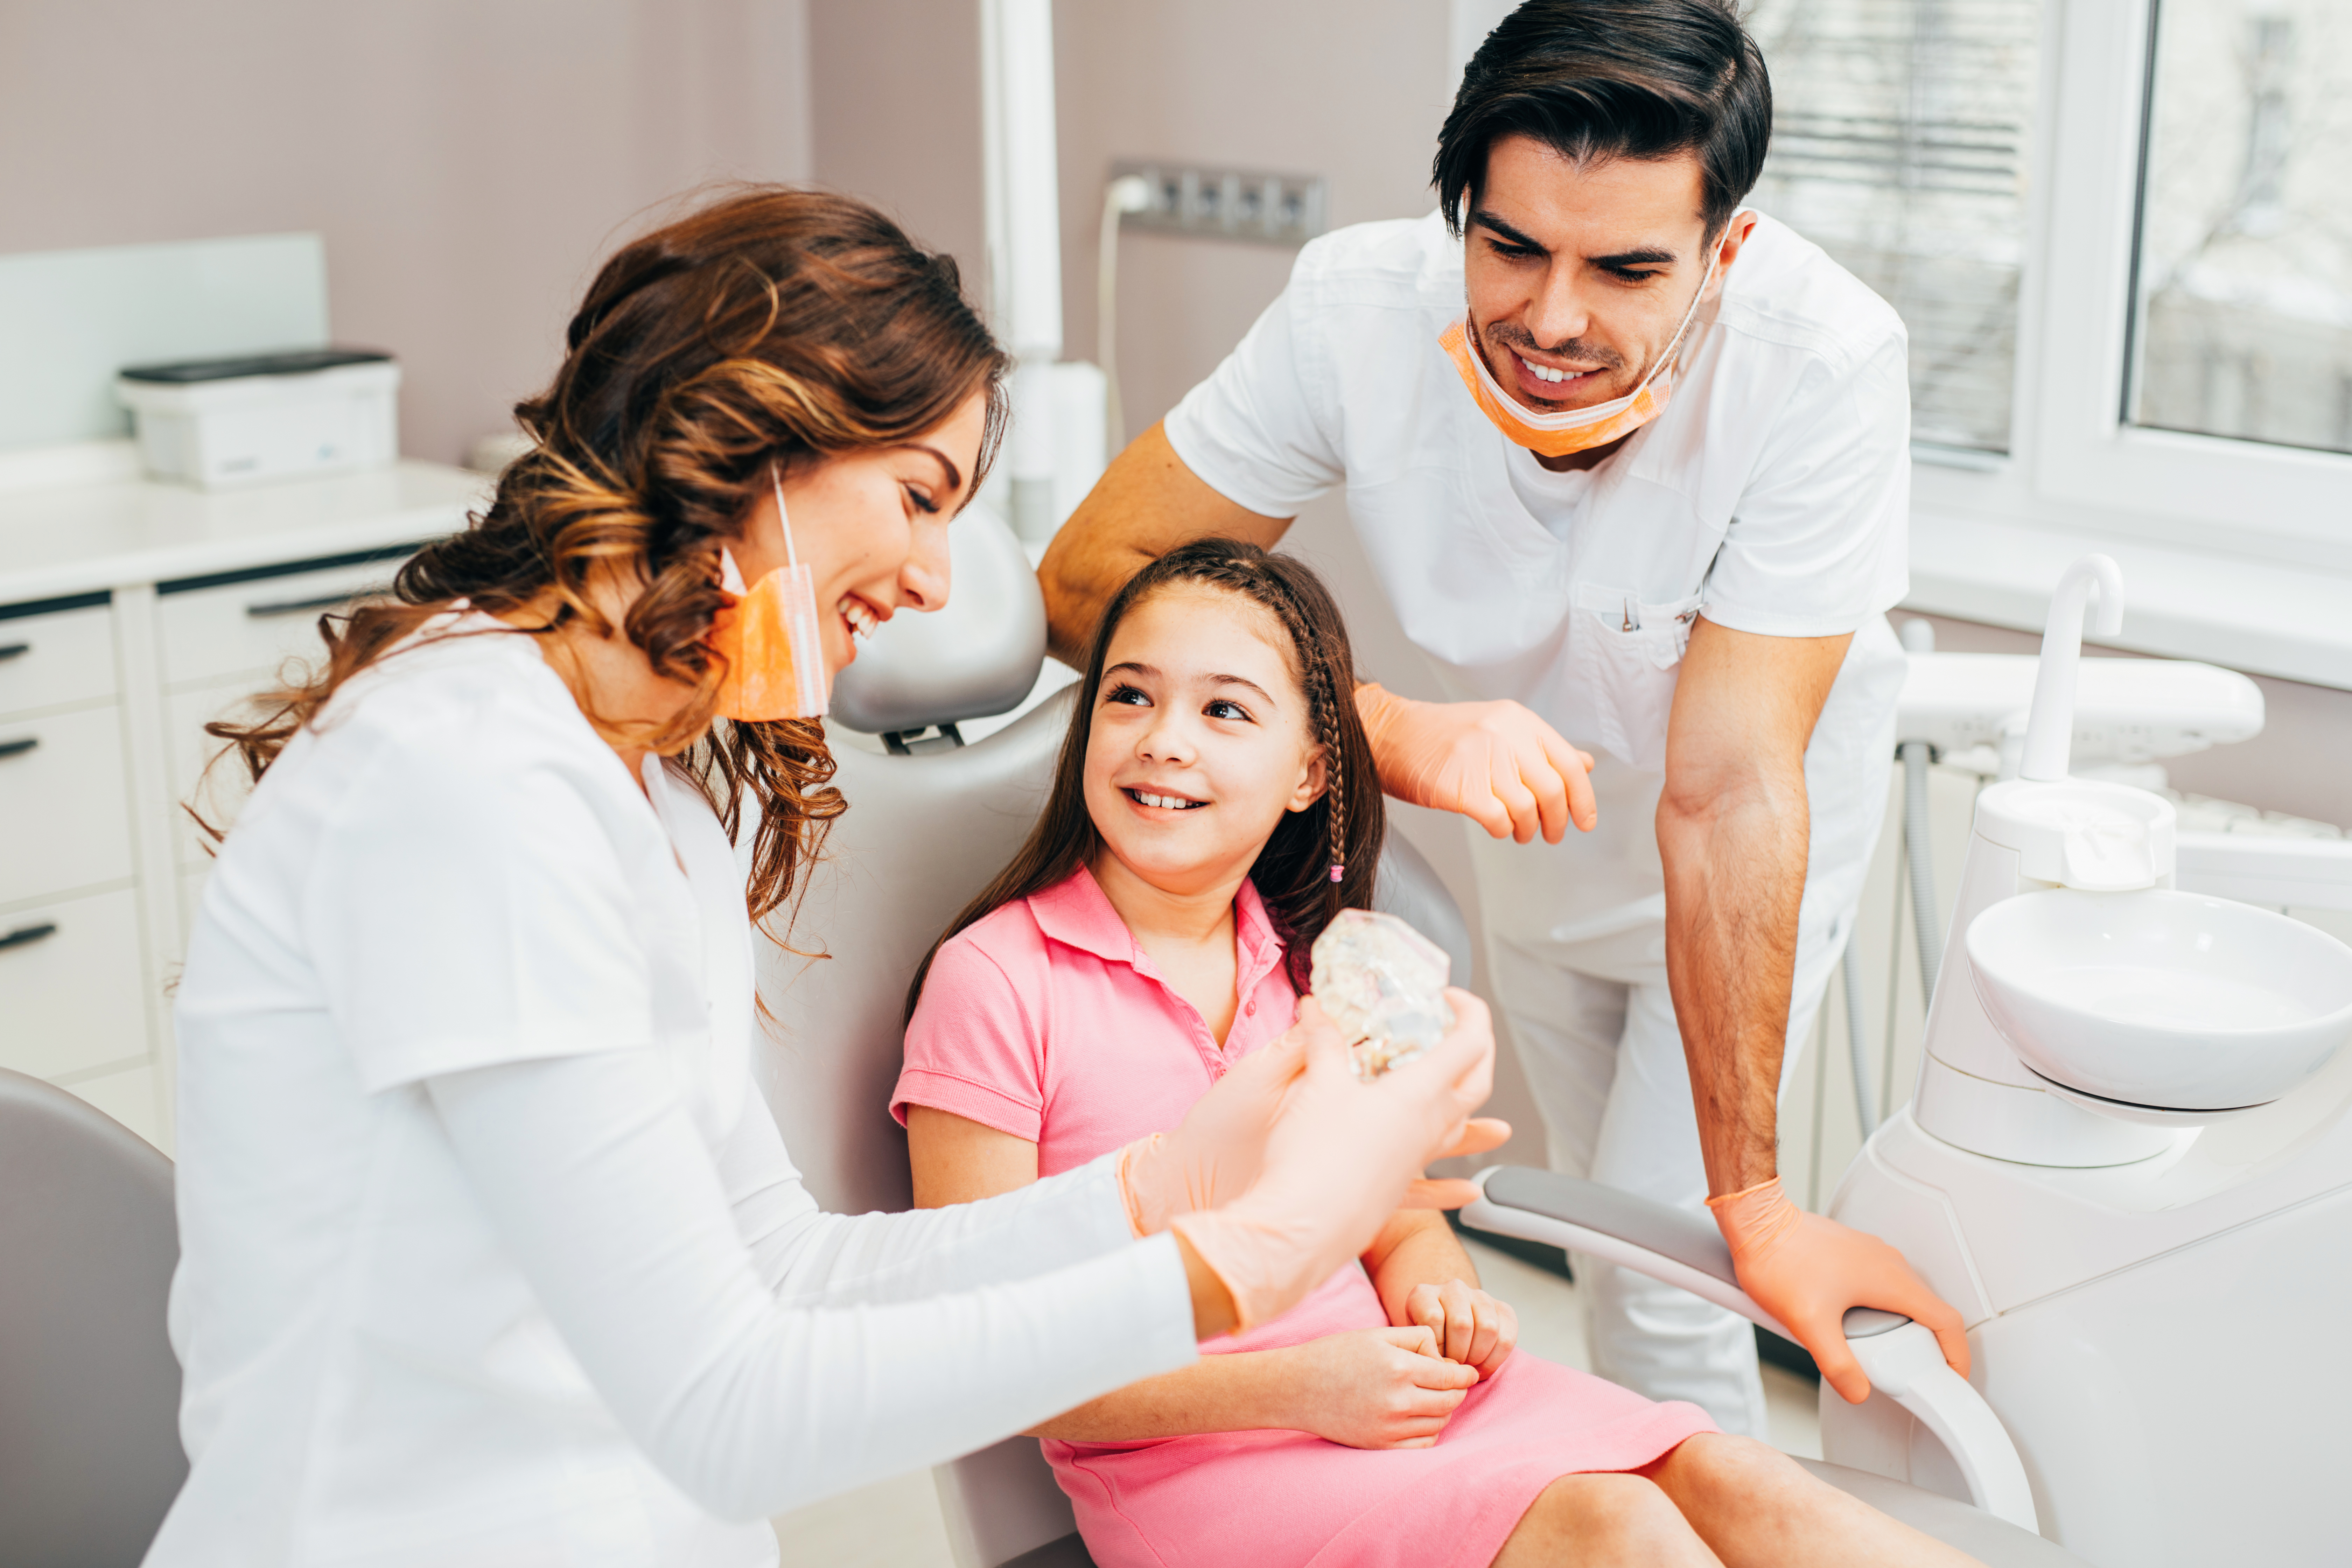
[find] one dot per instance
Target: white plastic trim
(1906, 1364)
(1485, 1215)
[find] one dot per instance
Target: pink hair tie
(1337, 871)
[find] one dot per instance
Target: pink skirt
(1287, 1499)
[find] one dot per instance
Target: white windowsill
(2262, 616)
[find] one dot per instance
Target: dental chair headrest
(979, 655)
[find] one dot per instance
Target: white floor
(896, 1523)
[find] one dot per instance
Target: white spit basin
(2159, 997)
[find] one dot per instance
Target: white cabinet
(63, 771)
(70, 985)
(131, 614)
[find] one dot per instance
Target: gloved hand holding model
(1217, 1153)
(1494, 762)
(1337, 1163)
(1807, 1271)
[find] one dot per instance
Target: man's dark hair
(1594, 79)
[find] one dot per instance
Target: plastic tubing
(1866, 1101)
(1919, 845)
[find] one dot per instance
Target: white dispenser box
(222, 424)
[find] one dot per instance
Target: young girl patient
(1214, 807)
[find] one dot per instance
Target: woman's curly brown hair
(771, 324)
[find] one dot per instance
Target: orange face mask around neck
(1557, 435)
(770, 637)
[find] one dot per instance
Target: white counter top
(2262, 616)
(82, 539)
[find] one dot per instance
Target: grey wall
(466, 161)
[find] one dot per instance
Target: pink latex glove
(1806, 1270)
(1217, 1151)
(1339, 1160)
(1494, 762)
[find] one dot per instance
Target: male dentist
(1633, 464)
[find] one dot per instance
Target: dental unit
(2127, 1162)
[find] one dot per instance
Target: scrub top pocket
(1626, 653)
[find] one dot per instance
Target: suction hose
(1865, 1099)
(1919, 845)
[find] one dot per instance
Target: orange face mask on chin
(771, 638)
(1559, 433)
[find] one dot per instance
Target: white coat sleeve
(898, 1342)
(1821, 539)
(808, 1258)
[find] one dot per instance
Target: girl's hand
(1466, 1324)
(1377, 1388)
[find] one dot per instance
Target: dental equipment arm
(1901, 1357)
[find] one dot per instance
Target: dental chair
(90, 1391)
(932, 819)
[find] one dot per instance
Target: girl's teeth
(1173, 803)
(861, 619)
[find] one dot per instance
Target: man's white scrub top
(490, 1253)
(1773, 494)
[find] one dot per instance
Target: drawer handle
(18, 748)
(265, 611)
(25, 936)
(15, 650)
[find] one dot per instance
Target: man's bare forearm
(1145, 505)
(1735, 882)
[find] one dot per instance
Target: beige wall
(1351, 89)
(467, 161)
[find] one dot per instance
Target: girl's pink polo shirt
(1047, 1021)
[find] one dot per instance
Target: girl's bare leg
(1588, 1520)
(1757, 1508)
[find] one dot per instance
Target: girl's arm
(1378, 1388)
(1426, 1280)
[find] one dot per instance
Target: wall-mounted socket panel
(1227, 204)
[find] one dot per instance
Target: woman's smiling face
(1200, 741)
(874, 525)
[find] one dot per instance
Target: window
(1900, 144)
(2243, 294)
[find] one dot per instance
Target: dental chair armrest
(1901, 1358)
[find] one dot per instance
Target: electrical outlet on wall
(1227, 204)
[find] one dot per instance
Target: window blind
(1900, 145)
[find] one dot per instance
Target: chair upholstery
(90, 1391)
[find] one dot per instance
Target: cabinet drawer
(65, 821)
(256, 626)
(65, 656)
(71, 987)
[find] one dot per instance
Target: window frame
(2075, 462)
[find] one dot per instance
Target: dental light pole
(1020, 184)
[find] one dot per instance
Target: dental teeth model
(1383, 984)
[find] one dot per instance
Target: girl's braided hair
(1319, 860)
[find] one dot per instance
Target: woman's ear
(1312, 782)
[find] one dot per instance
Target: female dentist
(491, 1251)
